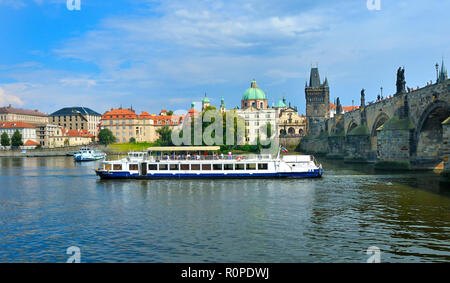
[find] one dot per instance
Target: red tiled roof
(193, 112)
(11, 110)
(145, 115)
(15, 125)
(163, 119)
(119, 114)
(345, 108)
(30, 143)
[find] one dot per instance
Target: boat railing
(253, 157)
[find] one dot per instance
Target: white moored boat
(88, 154)
(139, 165)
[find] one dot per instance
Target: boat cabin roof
(183, 148)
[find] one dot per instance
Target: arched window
(261, 105)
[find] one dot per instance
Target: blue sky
(164, 54)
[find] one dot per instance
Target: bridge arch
(351, 126)
(379, 121)
(428, 133)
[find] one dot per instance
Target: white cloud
(6, 99)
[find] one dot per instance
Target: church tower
(317, 98)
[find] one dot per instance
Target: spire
(326, 82)
(192, 105)
(314, 80)
(443, 73)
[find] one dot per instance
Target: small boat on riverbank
(138, 165)
(88, 154)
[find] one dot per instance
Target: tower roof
(254, 93)
(314, 80)
(205, 99)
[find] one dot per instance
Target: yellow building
(126, 124)
(290, 124)
(33, 117)
(63, 137)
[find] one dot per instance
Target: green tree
(169, 113)
(16, 139)
(132, 140)
(105, 136)
(165, 134)
(5, 141)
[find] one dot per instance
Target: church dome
(281, 104)
(254, 93)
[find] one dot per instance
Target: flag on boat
(284, 150)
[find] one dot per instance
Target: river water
(50, 204)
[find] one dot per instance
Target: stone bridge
(407, 127)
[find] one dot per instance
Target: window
(153, 167)
(107, 167)
(217, 167)
(240, 166)
(195, 167)
(185, 167)
(263, 166)
(251, 166)
(174, 167)
(117, 167)
(228, 167)
(133, 167)
(163, 167)
(206, 167)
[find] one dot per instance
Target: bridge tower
(317, 99)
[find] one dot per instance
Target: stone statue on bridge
(338, 106)
(401, 82)
(363, 98)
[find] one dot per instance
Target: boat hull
(158, 176)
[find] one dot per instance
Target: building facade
(77, 118)
(28, 132)
(44, 133)
(62, 138)
(126, 124)
(32, 117)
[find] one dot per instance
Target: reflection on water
(49, 204)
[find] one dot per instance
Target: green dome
(254, 93)
(280, 104)
(205, 100)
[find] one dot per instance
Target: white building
(256, 121)
(28, 132)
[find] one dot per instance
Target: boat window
(206, 167)
(240, 166)
(228, 167)
(251, 166)
(185, 167)
(117, 167)
(217, 166)
(163, 167)
(133, 167)
(107, 167)
(153, 167)
(174, 167)
(263, 166)
(195, 167)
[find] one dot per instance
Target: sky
(155, 55)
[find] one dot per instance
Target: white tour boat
(139, 165)
(88, 154)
